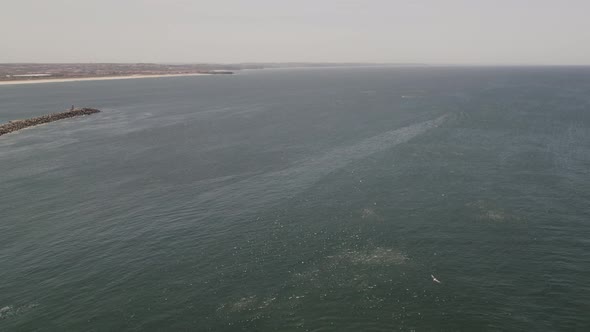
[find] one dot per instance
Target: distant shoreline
(97, 78)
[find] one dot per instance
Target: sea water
(300, 200)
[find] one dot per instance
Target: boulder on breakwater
(17, 125)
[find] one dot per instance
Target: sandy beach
(79, 79)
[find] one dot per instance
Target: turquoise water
(300, 200)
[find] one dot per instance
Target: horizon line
(338, 63)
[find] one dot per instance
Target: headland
(97, 78)
(25, 73)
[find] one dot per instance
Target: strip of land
(27, 73)
(98, 78)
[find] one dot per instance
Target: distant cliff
(17, 125)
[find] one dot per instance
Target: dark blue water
(300, 200)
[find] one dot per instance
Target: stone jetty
(17, 125)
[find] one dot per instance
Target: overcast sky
(420, 31)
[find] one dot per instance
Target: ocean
(324, 199)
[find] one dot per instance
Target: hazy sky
(424, 31)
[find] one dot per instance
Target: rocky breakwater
(17, 125)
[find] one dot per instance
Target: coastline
(98, 78)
